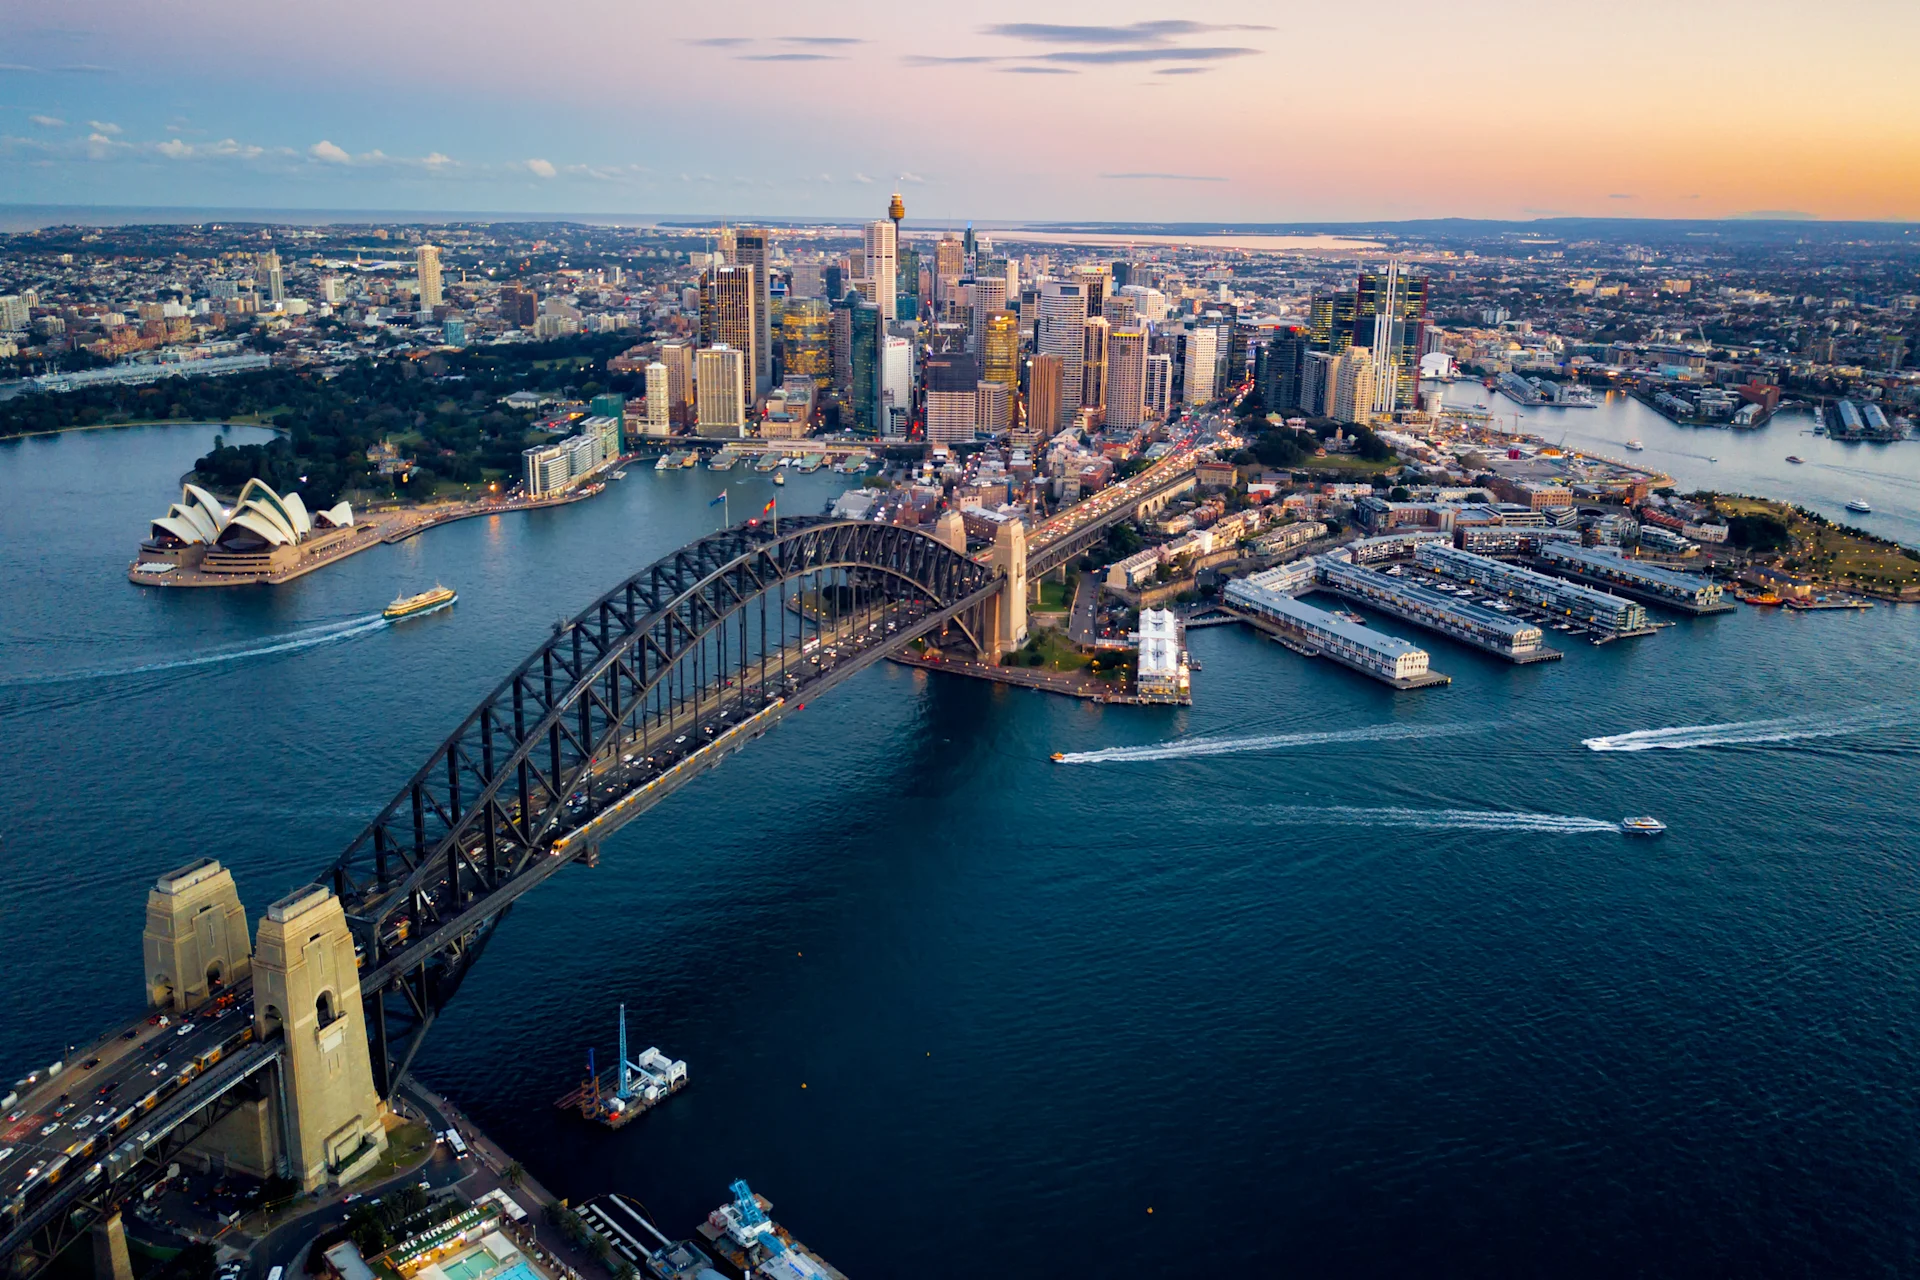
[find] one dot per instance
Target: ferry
(618, 475)
(666, 460)
(407, 606)
(1861, 506)
(723, 461)
(779, 477)
(1635, 445)
(1795, 458)
(1642, 826)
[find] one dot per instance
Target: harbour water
(1310, 977)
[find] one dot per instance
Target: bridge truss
(649, 685)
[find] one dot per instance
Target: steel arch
(485, 818)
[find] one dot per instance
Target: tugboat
(779, 477)
(1642, 826)
(425, 602)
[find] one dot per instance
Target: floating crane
(633, 1086)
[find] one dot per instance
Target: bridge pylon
(1010, 606)
(307, 992)
(196, 940)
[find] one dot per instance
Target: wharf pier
(1070, 684)
(1304, 643)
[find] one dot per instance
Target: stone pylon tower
(951, 531)
(195, 941)
(1010, 558)
(307, 993)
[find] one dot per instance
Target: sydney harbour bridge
(655, 682)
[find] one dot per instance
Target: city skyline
(1233, 113)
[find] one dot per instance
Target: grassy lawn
(1054, 651)
(407, 1142)
(1346, 465)
(1827, 551)
(1055, 597)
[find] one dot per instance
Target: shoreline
(140, 422)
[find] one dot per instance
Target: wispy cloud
(963, 60)
(791, 57)
(1181, 71)
(1620, 195)
(47, 122)
(541, 168)
(863, 179)
(1038, 71)
(328, 153)
(722, 42)
(85, 69)
(825, 40)
(1162, 177)
(1096, 57)
(1156, 32)
(911, 178)
(103, 126)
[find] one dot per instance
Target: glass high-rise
(806, 339)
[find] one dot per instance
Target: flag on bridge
(717, 501)
(768, 509)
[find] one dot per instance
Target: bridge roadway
(1069, 533)
(151, 1089)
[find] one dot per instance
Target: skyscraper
(1121, 310)
(806, 340)
(896, 386)
(1061, 330)
(722, 383)
(426, 265)
(1098, 284)
(1353, 386)
(729, 312)
(882, 267)
(724, 246)
(948, 264)
(1046, 394)
(1127, 378)
(1093, 363)
(952, 380)
(1316, 381)
(1159, 385)
(986, 295)
(659, 417)
(1203, 352)
(993, 408)
(268, 276)
(678, 357)
(750, 246)
(865, 332)
(1000, 349)
(1278, 367)
(908, 305)
(1390, 317)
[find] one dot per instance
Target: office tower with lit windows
(1093, 363)
(1390, 318)
(1000, 349)
(426, 266)
(721, 382)
(949, 266)
(806, 341)
(993, 408)
(907, 306)
(1122, 272)
(1122, 311)
(1061, 330)
(882, 266)
(729, 312)
(724, 247)
(1159, 385)
(1046, 394)
(985, 296)
(1202, 365)
(750, 249)
(1330, 321)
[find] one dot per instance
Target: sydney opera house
(263, 533)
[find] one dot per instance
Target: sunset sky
(1245, 112)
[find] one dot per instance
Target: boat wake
(1267, 742)
(1440, 819)
(307, 638)
(1786, 729)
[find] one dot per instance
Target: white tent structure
(260, 519)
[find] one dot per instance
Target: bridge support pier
(110, 1258)
(1010, 606)
(196, 940)
(307, 991)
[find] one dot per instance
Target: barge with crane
(630, 1088)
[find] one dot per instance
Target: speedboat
(1860, 506)
(1635, 445)
(1795, 458)
(1642, 826)
(1059, 757)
